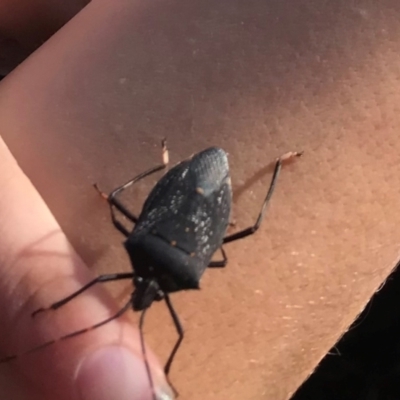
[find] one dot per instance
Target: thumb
(37, 268)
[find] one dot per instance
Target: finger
(38, 267)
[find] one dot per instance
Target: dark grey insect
(182, 224)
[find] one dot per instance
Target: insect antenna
(125, 308)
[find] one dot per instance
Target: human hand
(37, 267)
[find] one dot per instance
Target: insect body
(182, 224)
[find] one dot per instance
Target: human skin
(28, 25)
(258, 79)
(112, 354)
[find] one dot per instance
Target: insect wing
(190, 206)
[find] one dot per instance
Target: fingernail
(116, 373)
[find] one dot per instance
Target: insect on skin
(182, 224)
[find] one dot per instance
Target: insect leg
(146, 362)
(115, 202)
(179, 329)
(249, 231)
(99, 279)
(70, 335)
(220, 263)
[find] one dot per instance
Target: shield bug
(182, 224)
